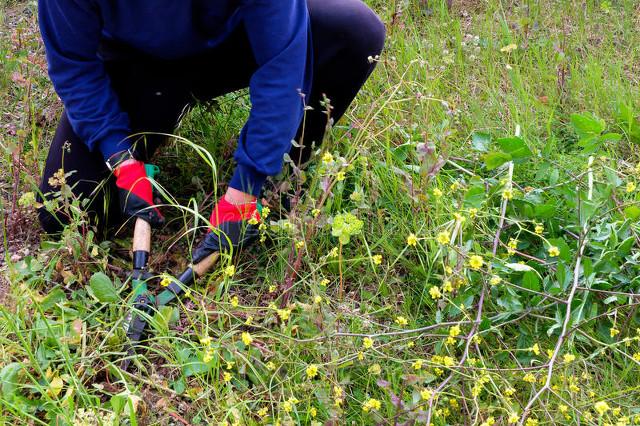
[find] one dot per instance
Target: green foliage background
(502, 130)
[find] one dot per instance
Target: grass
(501, 135)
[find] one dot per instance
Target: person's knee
(363, 31)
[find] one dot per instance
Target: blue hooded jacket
(279, 34)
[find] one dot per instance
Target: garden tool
(144, 302)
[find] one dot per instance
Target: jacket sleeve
(71, 31)
(278, 31)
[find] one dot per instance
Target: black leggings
(155, 93)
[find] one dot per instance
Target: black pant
(156, 92)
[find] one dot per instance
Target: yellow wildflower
(553, 251)
(509, 47)
(507, 194)
(613, 332)
(312, 371)
(476, 261)
(235, 301)
(324, 282)
(412, 240)
(327, 158)
(371, 404)
(284, 314)
(631, 186)
(443, 238)
(569, 358)
(447, 286)
(459, 218)
(529, 378)
(230, 270)
(426, 394)
(271, 366)
(601, 407)
(495, 280)
(246, 338)
(226, 377)
(206, 340)
(417, 364)
(535, 349)
(435, 292)
(401, 321)
(375, 369)
(454, 331)
(313, 412)
(539, 229)
(317, 299)
(437, 193)
(299, 244)
(166, 280)
(263, 412)
(513, 418)
(377, 259)
(367, 343)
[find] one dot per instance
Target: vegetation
(465, 250)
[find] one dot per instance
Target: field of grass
(465, 250)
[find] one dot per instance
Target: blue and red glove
(233, 226)
(135, 191)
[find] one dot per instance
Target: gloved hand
(135, 192)
(234, 225)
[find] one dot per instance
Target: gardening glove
(233, 226)
(134, 189)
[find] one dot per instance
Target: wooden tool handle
(205, 264)
(142, 236)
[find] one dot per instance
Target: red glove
(234, 228)
(134, 190)
(224, 211)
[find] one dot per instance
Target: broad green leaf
(103, 288)
(480, 141)
(544, 211)
(531, 281)
(586, 125)
(632, 212)
(496, 159)
(55, 296)
(519, 267)
(474, 197)
(9, 379)
(516, 147)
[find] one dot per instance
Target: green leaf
(626, 118)
(587, 125)
(632, 212)
(480, 141)
(519, 267)
(55, 296)
(516, 147)
(496, 159)
(8, 380)
(544, 211)
(474, 197)
(103, 288)
(531, 281)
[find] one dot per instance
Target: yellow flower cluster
(371, 404)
